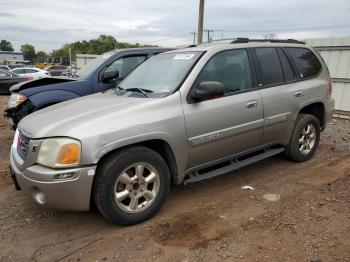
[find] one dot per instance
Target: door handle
(299, 93)
(252, 104)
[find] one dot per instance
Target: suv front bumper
(44, 187)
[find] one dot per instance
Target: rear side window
(270, 66)
(30, 71)
(18, 71)
(305, 60)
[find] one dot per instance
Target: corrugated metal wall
(336, 53)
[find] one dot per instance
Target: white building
(10, 57)
(83, 59)
(336, 53)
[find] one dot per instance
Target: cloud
(49, 24)
(4, 14)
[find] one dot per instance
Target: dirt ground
(210, 221)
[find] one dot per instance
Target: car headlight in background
(15, 100)
(59, 152)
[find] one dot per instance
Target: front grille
(22, 144)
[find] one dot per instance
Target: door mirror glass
(207, 90)
(110, 75)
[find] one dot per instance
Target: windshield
(93, 65)
(162, 73)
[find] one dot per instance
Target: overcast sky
(49, 24)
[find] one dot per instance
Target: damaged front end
(15, 114)
(39, 82)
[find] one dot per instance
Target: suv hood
(74, 117)
(40, 82)
(73, 85)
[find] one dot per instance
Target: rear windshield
(305, 60)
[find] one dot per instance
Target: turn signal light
(69, 154)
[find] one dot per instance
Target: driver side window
(231, 68)
(126, 64)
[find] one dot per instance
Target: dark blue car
(99, 75)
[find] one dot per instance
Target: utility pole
(200, 21)
(70, 60)
(194, 37)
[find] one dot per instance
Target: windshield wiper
(140, 90)
(117, 89)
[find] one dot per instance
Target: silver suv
(180, 117)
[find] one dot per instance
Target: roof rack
(241, 40)
(247, 40)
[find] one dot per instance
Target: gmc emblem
(20, 144)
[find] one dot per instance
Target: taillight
(29, 78)
(330, 85)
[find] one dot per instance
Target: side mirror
(109, 75)
(207, 90)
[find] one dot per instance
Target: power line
(282, 29)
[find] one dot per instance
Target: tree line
(97, 46)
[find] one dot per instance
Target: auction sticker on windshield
(183, 56)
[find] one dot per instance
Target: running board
(234, 165)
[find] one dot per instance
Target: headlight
(59, 152)
(15, 100)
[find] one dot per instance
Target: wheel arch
(161, 146)
(317, 109)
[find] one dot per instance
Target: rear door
(277, 87)
(221, 127)
(282, 90)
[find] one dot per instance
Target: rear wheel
(131, 185)
(305, 138)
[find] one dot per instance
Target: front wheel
(305, 138)
(131, 185)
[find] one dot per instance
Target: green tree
(6, 46)
(98, 46)
(41, 57)
(28, 52)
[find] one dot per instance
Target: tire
(297, 149)
(128, 173)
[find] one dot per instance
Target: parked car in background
(36, 73)
(99, 75)
(8, 79)
(13, 66)
(57, 70)
(180, 117)
(5, 67)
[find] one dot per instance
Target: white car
(36, 73)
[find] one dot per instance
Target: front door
(220, 127)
